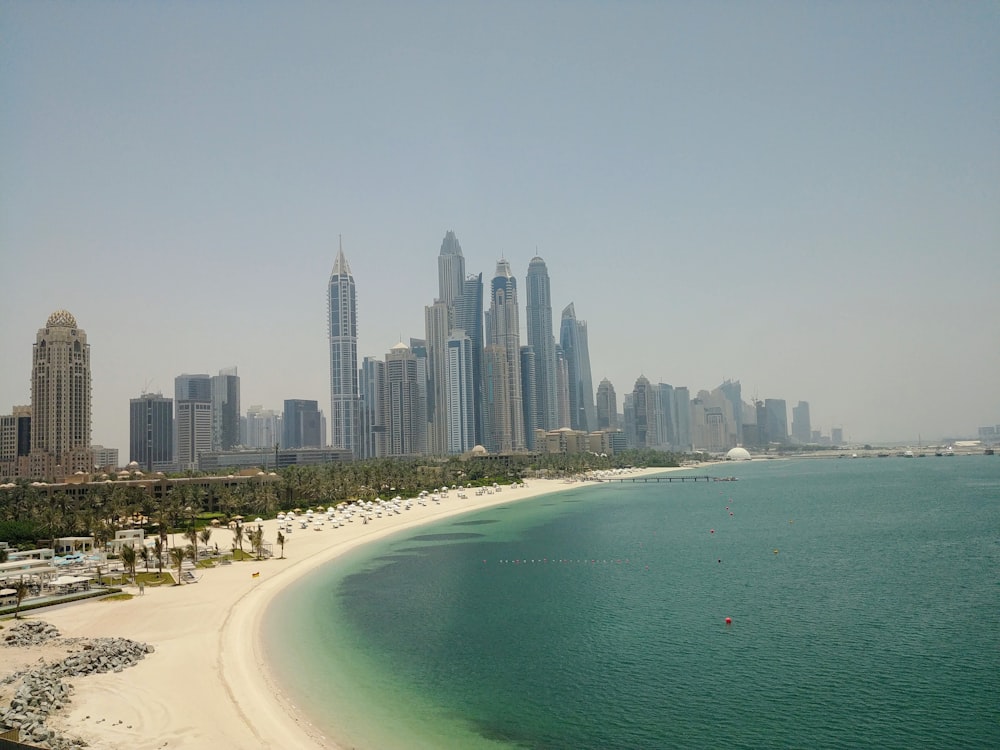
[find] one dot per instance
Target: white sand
(207, 684)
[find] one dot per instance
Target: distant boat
(907, 454)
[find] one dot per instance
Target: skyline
(801, 199)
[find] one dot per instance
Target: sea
(812, 603)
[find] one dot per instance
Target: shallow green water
(596, 618)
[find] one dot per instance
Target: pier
(669, 479)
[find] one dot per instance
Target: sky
(804, 197)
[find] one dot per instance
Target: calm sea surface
(864, 597)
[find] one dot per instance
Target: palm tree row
(28, 515)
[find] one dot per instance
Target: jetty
(670, 479)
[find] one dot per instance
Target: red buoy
(729, 621)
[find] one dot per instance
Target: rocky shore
(44, 687)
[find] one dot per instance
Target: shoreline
(209, 681)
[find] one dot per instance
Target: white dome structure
(738, 454)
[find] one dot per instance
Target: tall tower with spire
(505, 338)
(342, 314)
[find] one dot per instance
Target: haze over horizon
(799, 197)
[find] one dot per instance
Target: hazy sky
(803, 196)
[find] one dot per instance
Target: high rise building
(192, 419)
(437, 319)
(263, 428)
(733, 392)
(469, 318)
(460, 393)
(529, 399)
(151, 432)
(775, 421)
(665, 408)
(643, 404)
(372, 392)
(682, 400)
(60, 399)
(15, 442)
(573, 339)
(496, 404)
(562, 388)
(405, 413)
(505, 335)
(301, 424)
(193, 432)
(342, 315)
(225, 410)
(418, 347)
(451, 270)
(607, 406)
(837, 435)
(801, 428)
(542, 341)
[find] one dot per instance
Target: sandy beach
(208, 684)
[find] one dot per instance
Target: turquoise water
(864, 597)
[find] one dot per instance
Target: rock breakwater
(44, 688)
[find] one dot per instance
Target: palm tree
(281, 541)
(238, 537)
(158, 554)
(128, 559)
(177, 555)
(20, 591)
(192, 536)
(257, 540)
(144, 554)
(205, 534)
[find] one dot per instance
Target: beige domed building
(738, 454)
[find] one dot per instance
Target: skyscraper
(505, 334)
(192, 419)
(263, 428)
(372, 392)
(342, 314)
(562, 387)
(60, 399)
(301, 424)
(15, 442)
(801, 427)
(607, 406)
(496, 404)
(665, 408)
(151, 432)
(775, 421)
(573, 339)
(225, 410)
(682, 400)
(451, 270)
(542, 341)
(529, 400)
(460, 393)
(404, 412)
(645, 418)
(469, 318)
(437, 319)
